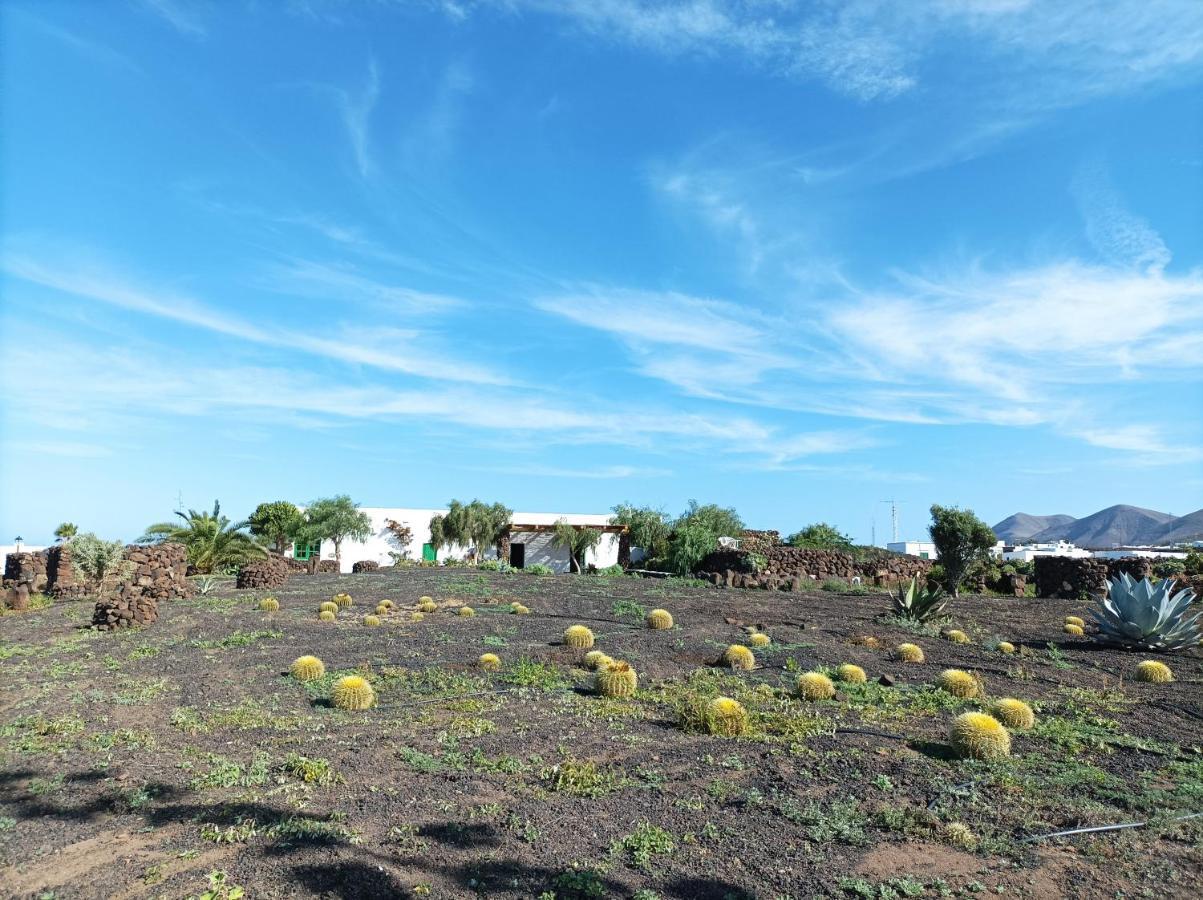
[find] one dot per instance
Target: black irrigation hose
(1099, 828)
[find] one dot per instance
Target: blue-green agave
(918, 603)
(1147, 616)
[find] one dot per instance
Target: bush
(1169, 568)
(820, 536)
(538, 569)
(611, 571)
(494, 565)
(101, 562)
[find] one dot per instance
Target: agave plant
(919, 603)
(1146, 616)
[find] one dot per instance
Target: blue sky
(792, 257)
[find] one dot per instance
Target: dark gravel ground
(135, 764)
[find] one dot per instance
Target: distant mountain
(1121, 525)
(1021, 526)
(1184, 528)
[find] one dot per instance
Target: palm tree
(476, 525)
(212, 540)
(577, 540)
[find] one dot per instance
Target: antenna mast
(893, 518)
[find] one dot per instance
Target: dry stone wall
(794, 568)
(159, 573)
(267, 573)
(1064, 576)
(365, 565)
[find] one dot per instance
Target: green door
(429, 554)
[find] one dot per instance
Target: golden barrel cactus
(466, 611)
(1075, 620)
(956, 636)
(307, 668)
(328, 606)
(1013, 713)
(595, 659)
(269, 604)
(737, 656)
(352, 692)
(519, 609)
(1072, 629)
(1153, 671)
(578, 637)
(851, 674)
(815, 686)
(616, 679)
(759, 640)
(979, 736)
(426, 605)
(490, 662)
(960, 683)
(909, 653)
(326, 616)
(659, 619)
(371, 621)
(416, 616)
(343, 600)
(1005, 647)
(726, 717)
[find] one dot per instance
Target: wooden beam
(539, 529)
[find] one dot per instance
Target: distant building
(531, 540)
(1028, 552)
(921, 549)
(1144, 552)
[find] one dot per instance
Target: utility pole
(893, 518)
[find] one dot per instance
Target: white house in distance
(921, 549)
(530, 540)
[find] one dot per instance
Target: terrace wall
(794, 568)
(1064, 576)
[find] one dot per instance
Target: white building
(1028, 552)
(531, 540)
(921, 549)
(1145, 552)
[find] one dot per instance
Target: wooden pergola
(604, 529)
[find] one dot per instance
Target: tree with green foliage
(214, 543)
(65, 532)
(336, 519)
(648, 528)
(278, 523)
(473, 525)
(1193, 564)
(961, 539)
(577, 540)
(720, 521)
(101, 563)
(820, 536)
(696, 533)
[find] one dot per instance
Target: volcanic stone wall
(159, 573)
(1065, 576)
(26, 568)
(365, 565)
(267, 573)
(794, 568)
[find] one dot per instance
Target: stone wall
(794, 568)
(365, 565)
(1064, 576)
(267, 573)
(159, 573)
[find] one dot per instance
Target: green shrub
(538, 569)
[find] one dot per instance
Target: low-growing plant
(1142, 616)
(538, 569)
(644, 843)
(310, 771)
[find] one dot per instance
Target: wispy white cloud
(67, 449)
(393, 350)
(88, 47)
(1118, 234)
(357, 109)
(1052, 53)
(343, 282)
(185, 16)
(431, 133)
(592, 473)
(128, 384)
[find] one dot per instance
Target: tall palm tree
(214, 543)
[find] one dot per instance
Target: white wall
(539, 547)
(925, 549)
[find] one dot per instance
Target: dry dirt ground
(147, 763)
